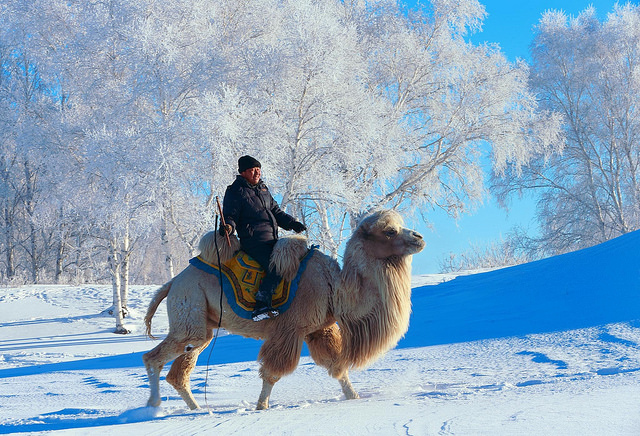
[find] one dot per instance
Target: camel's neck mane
(372, 305)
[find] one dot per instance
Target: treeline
(120, 122)
(587, 187)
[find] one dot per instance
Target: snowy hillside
(547, 348)
(590, 287)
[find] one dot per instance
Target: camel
(348, 318)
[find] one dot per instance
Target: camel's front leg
(325, 347)
(267, 386)
(347, 387)
(279, 356)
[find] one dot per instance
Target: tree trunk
(126, 268)
(191, 243)
(9, 245)
(166, 244)
(61, 246)
(59, 261)
(329, 243)
(115, 270)
(8, 213)
(30, 182)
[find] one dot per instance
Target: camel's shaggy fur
(369, 299)
(373, 303)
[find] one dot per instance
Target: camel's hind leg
(154, 361)
(325, 346)
(166, 351)
(279, 356)
(180, 372)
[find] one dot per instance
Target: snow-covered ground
(547, 348)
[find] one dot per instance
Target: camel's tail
(161, 294)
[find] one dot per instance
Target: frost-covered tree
(9, 192)
(177, 63)
(358, 105)
(29, 133)
(589, 72)
(317, 113)
(510, 250)
(350, 105)
(457, 104)
(94, 62)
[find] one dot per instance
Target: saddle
(241, 278)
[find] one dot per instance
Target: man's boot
(263, 309)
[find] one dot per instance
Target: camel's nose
(416, 235)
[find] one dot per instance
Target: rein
(206, 378)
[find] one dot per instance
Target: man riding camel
(250, 210)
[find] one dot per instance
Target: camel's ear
(364, 229)
(369, 224)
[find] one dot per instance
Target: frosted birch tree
(29, 122)
(9, 196)
(356, 105)
(319, 116)
(589, 72)
(350, 106)
(179, 62)
(100, 56)
(458, 104)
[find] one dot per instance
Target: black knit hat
(246, 162)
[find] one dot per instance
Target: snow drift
(594, 286)
(550, 347)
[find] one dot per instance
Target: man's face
(252, 175)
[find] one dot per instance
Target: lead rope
(215, 338)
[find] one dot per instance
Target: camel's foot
(347, 389)
(122, 330)
(185, 393)
(262, 405)
(154, 402)
(193, 405)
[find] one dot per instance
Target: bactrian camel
(369, 300)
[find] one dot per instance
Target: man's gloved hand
(225, 230)
(298, 227)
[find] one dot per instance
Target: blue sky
(509, 24)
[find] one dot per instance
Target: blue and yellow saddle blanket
(241, 278)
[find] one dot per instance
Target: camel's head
(383, 236)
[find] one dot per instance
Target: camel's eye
(391, 233)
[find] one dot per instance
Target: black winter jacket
(253, 213)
